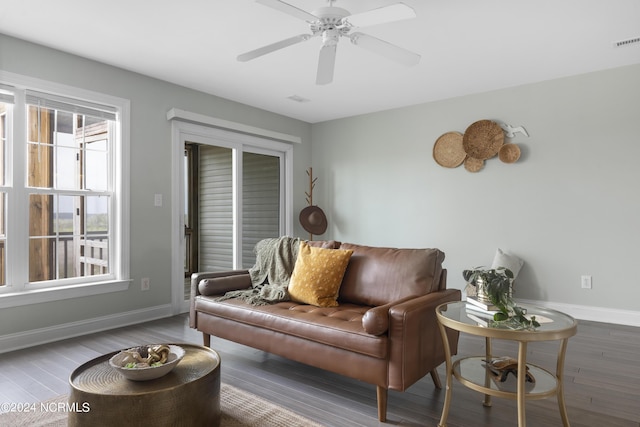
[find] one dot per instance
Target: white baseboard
(34, 337)
(595, 314)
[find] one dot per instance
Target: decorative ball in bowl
(147, 362)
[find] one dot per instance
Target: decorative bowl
(119, 360)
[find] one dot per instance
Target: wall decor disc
(473, 165)
(483, 139)
(448, 151)
(509, 153)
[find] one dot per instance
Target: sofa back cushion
(325, 244)
(377, 276)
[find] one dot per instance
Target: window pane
(3, 238)
(64, 129)
(97, 214)
(94, 257)
(187, 187)
(63, 211)
(3, 269)
(96, 170)
(67, 151)
(260, 202)
(94, 136)
(3, 141)
(3, 215)
(41, 257)
(64, 243)
(40, 148)
(41, 215)
(215, 209)
(66, 171)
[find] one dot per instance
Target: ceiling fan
(331, 23)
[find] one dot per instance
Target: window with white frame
(62, 204)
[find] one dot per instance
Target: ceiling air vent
(626, 42)
(298, 98)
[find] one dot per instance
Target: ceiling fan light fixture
(335, 14)
(334, 22)
(330, 37)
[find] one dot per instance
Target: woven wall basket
(448, 151)
(473, 165)
(483, 139)
(509, 153)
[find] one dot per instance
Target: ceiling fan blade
(289, 9)
(381, 15)
(326, 64)
(386, 49)
(273, 47)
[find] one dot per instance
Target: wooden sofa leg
(206, 340)
(436, 378)
(382, 404)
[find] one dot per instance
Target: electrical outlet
(145, 282)
(586, 282)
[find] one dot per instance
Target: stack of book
(480, 311)
(486, 307)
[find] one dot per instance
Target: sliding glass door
(230, 215)
(233, 190)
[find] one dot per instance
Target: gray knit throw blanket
(270, 276)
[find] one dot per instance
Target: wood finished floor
(602, 377)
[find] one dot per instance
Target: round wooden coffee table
(189, 395)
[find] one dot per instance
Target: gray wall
(150, 172)
(568, 207)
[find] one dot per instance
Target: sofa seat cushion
(339, 326)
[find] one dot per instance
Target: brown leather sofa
(384, 331)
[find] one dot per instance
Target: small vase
(483, 295)
(481, 291)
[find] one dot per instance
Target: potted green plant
(495, 285)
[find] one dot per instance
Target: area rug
(239, 409)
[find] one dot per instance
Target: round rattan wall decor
(483, 139)
(473, 165)
(448, 151)
(509, 153)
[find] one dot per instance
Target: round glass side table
(474, 373)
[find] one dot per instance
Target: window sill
(37, 296)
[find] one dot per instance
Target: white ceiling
(467, 46)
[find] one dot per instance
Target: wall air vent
(298, 98)
(627, 42)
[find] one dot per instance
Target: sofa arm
(222, 285)
(217, 280)
(376, 320)
(415, 342)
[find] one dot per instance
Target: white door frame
(201, 133)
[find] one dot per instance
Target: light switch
(157, 199)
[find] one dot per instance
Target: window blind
(71, 105)
(260, 202)
(215, 209)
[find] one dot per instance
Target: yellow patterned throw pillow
(317, 275)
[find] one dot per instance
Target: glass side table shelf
(472, 371)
